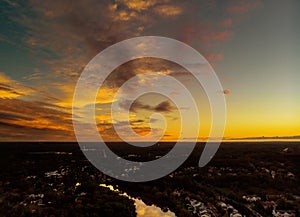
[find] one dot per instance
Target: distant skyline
(253, 46)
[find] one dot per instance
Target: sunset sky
(253, 46)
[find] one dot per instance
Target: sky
(253, 47)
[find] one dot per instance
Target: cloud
(5, 39)
(215, 29)
(11, 3)
(8, 92)
(164, 106)
(76, 31)
(15, 132)
(139, 5)
(108, 132)
(65, 35)
(29, 114)
(135, 106)
(27, 120)
(10, 88)
(137, 122)
(218, 36)
(214, 57)
(242, 7)
(139, 67)
(227, 23)
(9, 116)
(168, 10)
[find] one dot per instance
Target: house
(284, 213)
(251, 198)
(235, 213)
(290, 175)
(222, 205)
(204, 213)
(267, 204)
(196, 203)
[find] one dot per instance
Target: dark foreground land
(243, 179)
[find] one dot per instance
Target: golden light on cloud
(168, 10)
(138, 4)
(106, 95)
(4, 79)
(125, 15)
(10, 88)
(37, 93)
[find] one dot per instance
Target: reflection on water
(142, 209)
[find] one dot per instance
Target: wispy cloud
(164, 106)
(242, 7)
(168, 10)
(214, 57)
(10, 88)
(226, 23)
(27, 118)
(65, 35)
(34, 121)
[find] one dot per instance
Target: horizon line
(234, 140)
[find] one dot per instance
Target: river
(142, 209)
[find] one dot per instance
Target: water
(142, 209)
